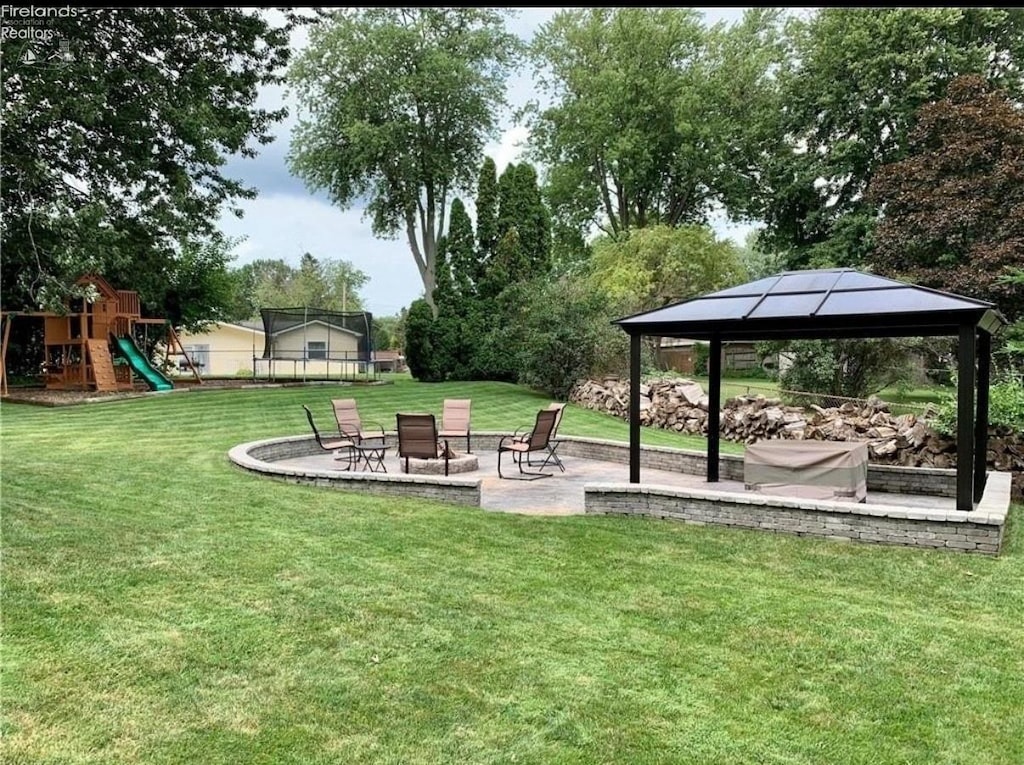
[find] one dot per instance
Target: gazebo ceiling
(837, 302)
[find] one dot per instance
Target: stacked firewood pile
(904, 439)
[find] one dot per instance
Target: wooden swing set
(77, 343)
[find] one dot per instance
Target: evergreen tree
(486, 212)
(461, 255)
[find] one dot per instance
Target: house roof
(330, 325)
(248, 326)
(837, 302)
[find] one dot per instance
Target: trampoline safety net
(313, 334)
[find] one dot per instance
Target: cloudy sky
(287, 220)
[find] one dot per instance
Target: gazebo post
(634, 408)
(966, 358)
(714, 405)
(981, 419)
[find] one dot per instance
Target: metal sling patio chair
(351, 426)
(455, 420)
(417, 438)
(535, 440)
(551, 458)
(331, 446)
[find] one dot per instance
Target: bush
(1005, 407)
(701, 354)
(567, 336)
(419, 345)
(852, 368)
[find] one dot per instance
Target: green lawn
(160, 606)
(915, 397)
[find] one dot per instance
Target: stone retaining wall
(935, 482)
(980, 531)
(261, 456)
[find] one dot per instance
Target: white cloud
(284, 226)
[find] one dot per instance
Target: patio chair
(535, 440)
(455, 420)
(331, 446)
(551, 457)
(350, 426)
(417, 438)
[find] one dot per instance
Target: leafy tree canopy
(659, 265)
(851, 85)
(954, 206)
(397, 106)
(329, 284)
(113, 155)
(645, 125)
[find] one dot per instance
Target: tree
(419, 349)
(329, 284)
(389, 331)
(521, 207)
(640, 120)
(954, 206)
(758, 262)
(851, 86)
(520, 242)
(399, 103)
(461, 252)
(113, 156)
(660, 265)
(853, 368)
(566, 335)
(260, 284)
(486, 213)
(201, 288)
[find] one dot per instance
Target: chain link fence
(825, 401)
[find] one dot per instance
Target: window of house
(200, 355)
(316, 349)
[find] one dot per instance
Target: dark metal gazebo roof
(831, 303)
(836, 302)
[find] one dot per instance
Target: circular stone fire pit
(460, 463)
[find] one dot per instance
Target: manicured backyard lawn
(913, 397)
(160, 606)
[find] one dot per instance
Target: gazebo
(822, 304)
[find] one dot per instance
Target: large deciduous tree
(397, 106)
(851, 87)
(645, 113)
(114, 141)
(659, 265)
(954, 206)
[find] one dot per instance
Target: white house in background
(222, 350)
(315, 348)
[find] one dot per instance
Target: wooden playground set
(82, 343)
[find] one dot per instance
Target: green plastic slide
(141, 366)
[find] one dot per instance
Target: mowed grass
(898, 398)
(160, 606)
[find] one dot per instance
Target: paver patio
(562, 493)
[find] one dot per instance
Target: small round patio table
(370, 453)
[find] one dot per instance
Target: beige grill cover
(790, 467)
